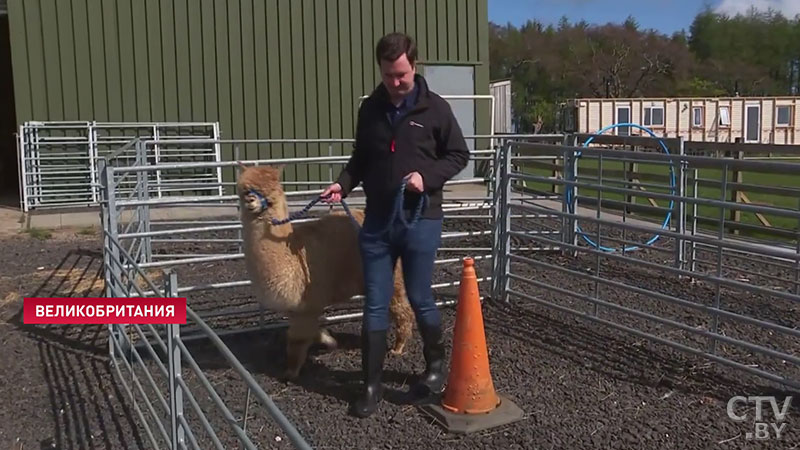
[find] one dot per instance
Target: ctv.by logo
(763, 429)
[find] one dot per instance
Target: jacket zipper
(396, 126)
(400, 120)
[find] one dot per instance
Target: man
(405, 132)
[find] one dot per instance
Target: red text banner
(125, 310)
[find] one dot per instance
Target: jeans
(416, 247)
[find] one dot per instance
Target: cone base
(507, 412)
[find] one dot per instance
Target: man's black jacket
(427, 140)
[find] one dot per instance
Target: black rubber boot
(433, 380)
(373, 351)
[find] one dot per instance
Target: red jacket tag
(392, 145)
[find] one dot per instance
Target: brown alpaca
(300, 269)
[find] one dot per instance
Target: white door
(623, 116)
(456, 80)
(752, 125)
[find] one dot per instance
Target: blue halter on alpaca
(398, 206)
(261, 198)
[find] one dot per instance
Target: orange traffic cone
(470, 388)
(470, 402)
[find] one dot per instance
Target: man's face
(398, 76)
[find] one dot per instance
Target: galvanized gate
(571, 230)
(145, 247)
(655, 254)
(58, 161)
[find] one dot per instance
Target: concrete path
(10, 221)
(13, 221)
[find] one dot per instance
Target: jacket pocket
(421, 139)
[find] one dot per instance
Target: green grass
(709, 187)
(39, 233)
(87, 231)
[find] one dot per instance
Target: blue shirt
(408, 103)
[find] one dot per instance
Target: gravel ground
(56, 386)
(582, 384)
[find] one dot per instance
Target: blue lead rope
(397, 210)
(297, 214)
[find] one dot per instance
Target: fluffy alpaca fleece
(299, 269)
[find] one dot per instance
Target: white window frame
(649, 122)
(791, 113)
(724, 116)
(698, 112)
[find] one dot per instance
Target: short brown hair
(391, 46)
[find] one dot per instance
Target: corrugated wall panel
(20, 67)
(141, 72)
(262, 68)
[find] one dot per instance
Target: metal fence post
(598, 214)
(693, 245)
(174, 361)
(92, 154)
(141, 154)
(104, 223)
(681, 225)
(111, 255)
(330, 173)
(236, 173)
(505, 207)
(570, 198)
(36, 166)
(497, 220)
(137, 190)
(218, 157)
(718, 273)
(23, 177)
(564, 210)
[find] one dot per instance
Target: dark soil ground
(57, 390)
(581, 383)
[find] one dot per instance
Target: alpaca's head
(260, 191)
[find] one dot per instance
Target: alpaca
(299, 269)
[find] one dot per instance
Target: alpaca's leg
(325, 338)
(303, 331)
(401, 314)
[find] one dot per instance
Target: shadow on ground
(87, 407)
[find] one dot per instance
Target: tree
(753, 54)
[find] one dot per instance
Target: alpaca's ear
(241, 165)
(279, 168)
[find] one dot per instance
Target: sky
(666, 16)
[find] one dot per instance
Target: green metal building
(262, 68)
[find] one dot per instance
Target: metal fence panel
(660, 274)
(58, 160)
(152, 362)
(143, 246)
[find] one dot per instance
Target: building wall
(263, 69)
(678, 117)
(8, 147)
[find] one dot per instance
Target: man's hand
(414, 183)
(332, 194)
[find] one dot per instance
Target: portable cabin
(765, 120)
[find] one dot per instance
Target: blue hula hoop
(673, 185)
